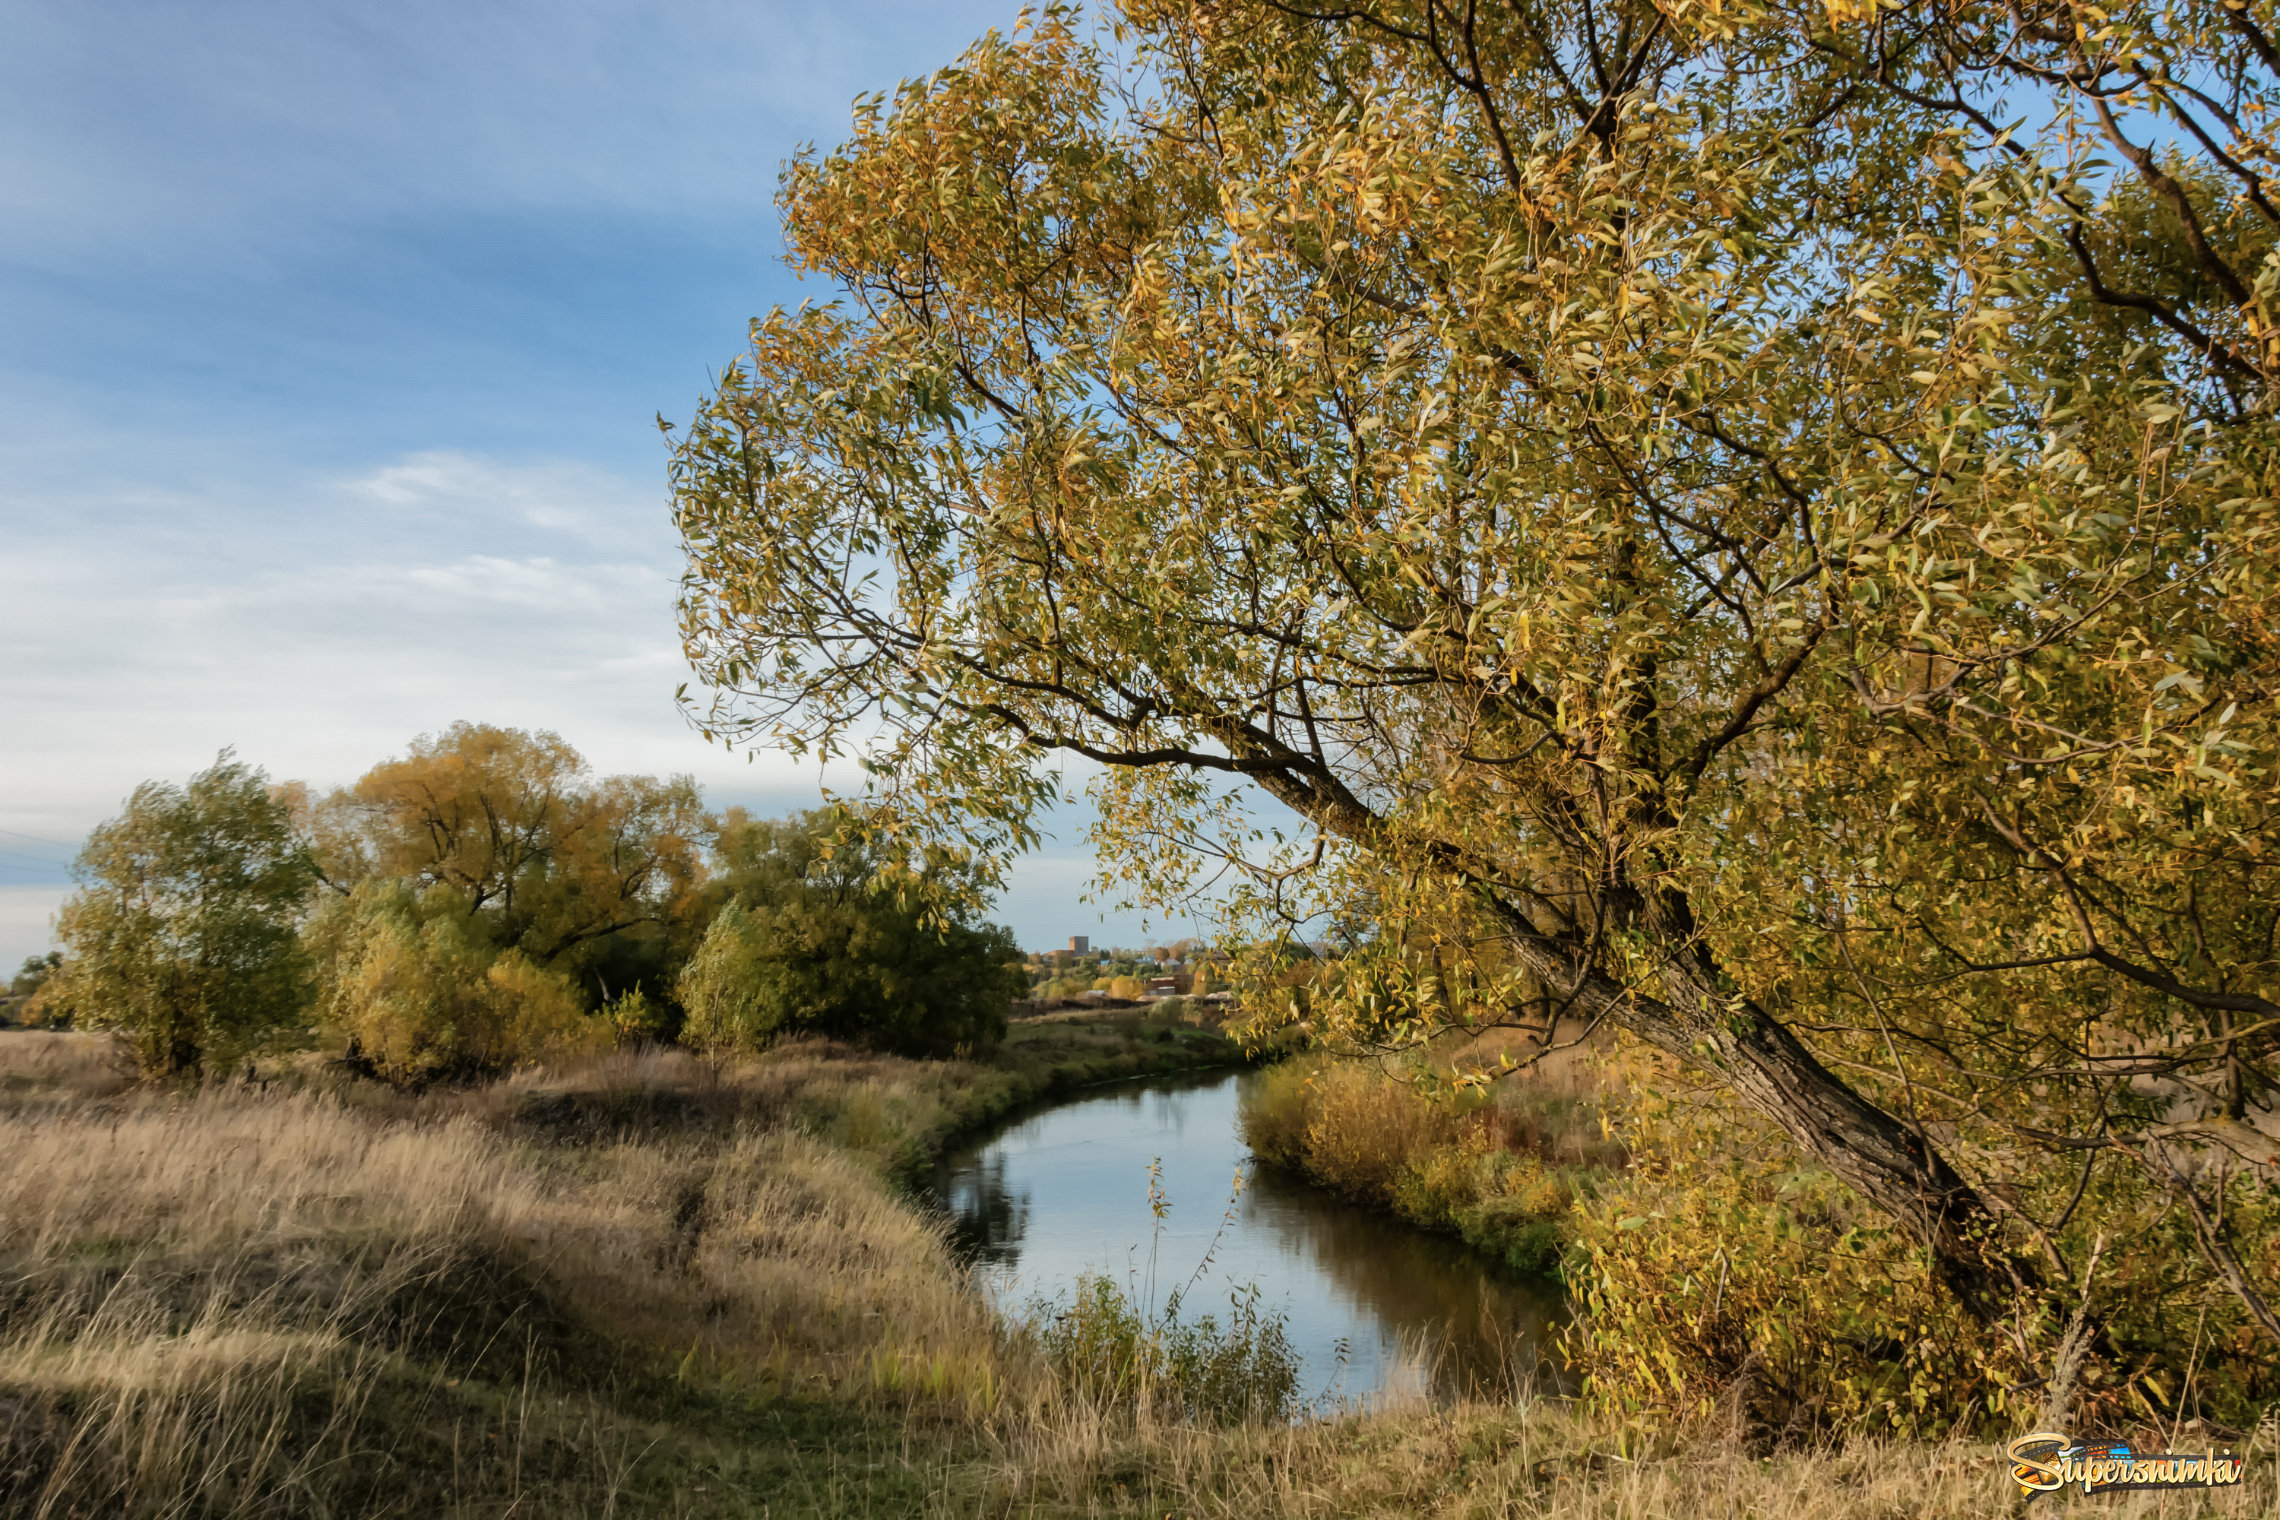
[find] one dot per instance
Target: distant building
(1164, 986)
(1079, 945)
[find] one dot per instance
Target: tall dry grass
(243, 1303)
(890, 1111)
(655, 1287)
(54, 1066)
(1499, 1168)
(1535, 1461)
(1553, 1108)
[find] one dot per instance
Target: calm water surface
(1373, 1307)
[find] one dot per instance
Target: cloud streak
(335, 338)
(316, 626)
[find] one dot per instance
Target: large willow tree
(1748, 521)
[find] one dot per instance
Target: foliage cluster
(1720, 1282)
(484, 901)
(186, 935)
(1108, 1351)
(837, 938)
(1773, 1304)
(1487, 1170)
(21, 1003)
(485, 891)
(417, 989)
(33, 974)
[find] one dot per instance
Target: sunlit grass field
(654, 1286)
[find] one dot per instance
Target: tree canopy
(1748, 521)
(487, 890)
(825, 935)
(184, 932)
(594, 877)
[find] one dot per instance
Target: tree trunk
(1889, 1162)
(1886, 1160)
(182, 1055)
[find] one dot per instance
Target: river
(1375, 1309)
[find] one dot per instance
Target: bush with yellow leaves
(414, 988)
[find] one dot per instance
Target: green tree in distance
(826, 934)
(22, 1002)
(184, 932)
(1751, 522)
(34, 973)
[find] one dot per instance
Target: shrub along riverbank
(1501, 1168)
(652, 1286)
(1719, 1277)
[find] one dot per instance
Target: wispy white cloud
(334, 337)
(317, 633)
(316, 625)
(567, 497)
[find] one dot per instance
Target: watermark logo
(2044, 1463)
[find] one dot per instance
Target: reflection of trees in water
(1485, 1333)
(1481, 1334)
(987, 1218)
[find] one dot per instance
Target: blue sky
(331, 339)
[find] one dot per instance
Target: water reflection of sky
(1065, 1192)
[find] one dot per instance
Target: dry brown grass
(1500, 1169)
(877, 1106)
(189, 1278)
(352, 1303)
(760, 1252)
(211, 1297)
(1553, 1107)
(1365, 1130)
(50, 1066)
(1531, 1461)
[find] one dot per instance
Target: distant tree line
(485, 900)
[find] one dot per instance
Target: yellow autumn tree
(488, 892)
(1753, 525)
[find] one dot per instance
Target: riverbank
(894, 1113)
(650, 1288)
(1150, 1183)
(1500, 1168)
